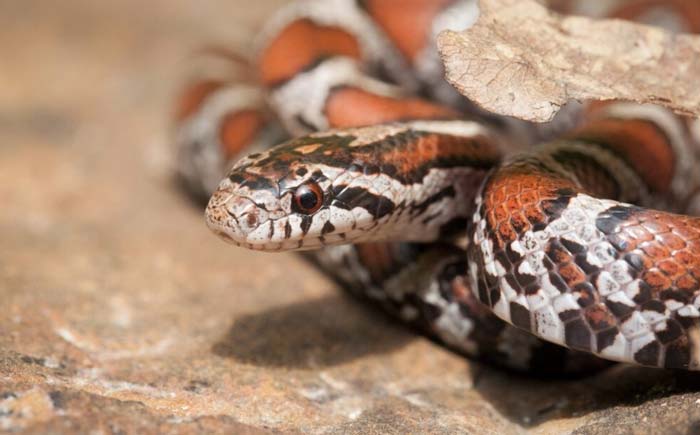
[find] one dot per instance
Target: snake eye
(308, 198)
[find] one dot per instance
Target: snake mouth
(222, 223)
(231, 216)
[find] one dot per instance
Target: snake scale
(533, 248)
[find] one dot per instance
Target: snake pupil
(308, 198)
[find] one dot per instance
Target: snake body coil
(395, 180)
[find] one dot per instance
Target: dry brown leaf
(522, 60)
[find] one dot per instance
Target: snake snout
(233, 217)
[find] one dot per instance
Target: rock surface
(122, 314)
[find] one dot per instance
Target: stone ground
(122, 314)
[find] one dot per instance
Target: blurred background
(122, 313)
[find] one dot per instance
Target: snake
(554, 248)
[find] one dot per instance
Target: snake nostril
(251, 220)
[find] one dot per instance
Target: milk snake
(448, 217)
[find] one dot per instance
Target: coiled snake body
(403, 187)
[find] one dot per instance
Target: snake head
(288, 198)
(259, 206)
(389, 182)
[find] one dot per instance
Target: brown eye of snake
(308, 198)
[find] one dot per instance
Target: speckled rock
(122, 314)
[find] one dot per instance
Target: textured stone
(122, 314)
